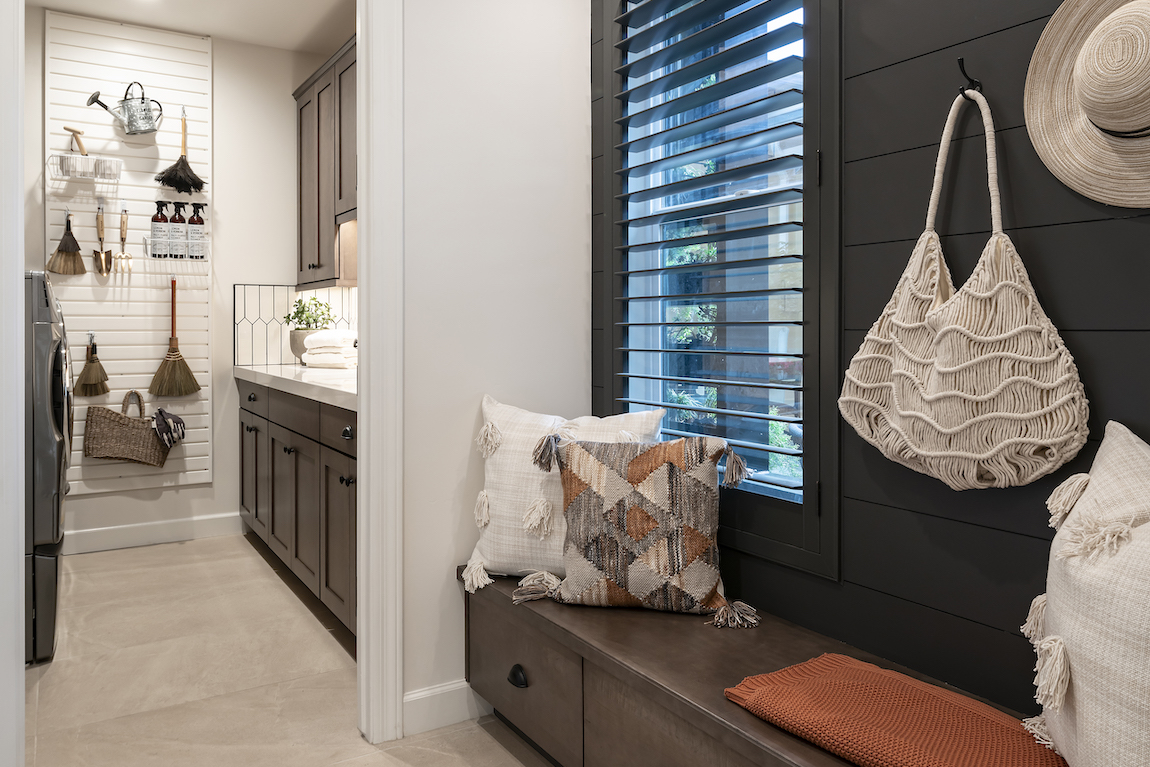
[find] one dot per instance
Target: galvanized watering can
(135, 115)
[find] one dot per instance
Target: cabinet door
(327, 267)
(305, 558)
(337, 535)
(345, 168)
(307, 114)
(281, 509)
(255, 473)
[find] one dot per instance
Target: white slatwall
(131, 313)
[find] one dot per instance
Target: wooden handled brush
(174, 378)
(93, 380)
(180, 176)
(67, 259)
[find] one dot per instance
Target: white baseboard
(433, 707)
(147, 533)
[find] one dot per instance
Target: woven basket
(119, 437)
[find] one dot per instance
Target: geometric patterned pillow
(642, 521)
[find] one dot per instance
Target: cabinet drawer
(253, 397)
(295, 413)
(549, 710)
(338, 429)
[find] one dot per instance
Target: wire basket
(71, 165)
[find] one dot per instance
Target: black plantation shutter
(712, 178)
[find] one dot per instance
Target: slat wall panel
(130, 314)
(935, 579)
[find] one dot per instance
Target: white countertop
(331, 386)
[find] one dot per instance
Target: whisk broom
(180, 176)
(174, 378)
(93, 380)
(67, 259)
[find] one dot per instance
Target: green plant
(787, 465)
(310, 314)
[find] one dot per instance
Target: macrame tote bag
(971, 386)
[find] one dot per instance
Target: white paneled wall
(130, 313)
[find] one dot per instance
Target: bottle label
(197, 241)
(159, 240)
(178, 240)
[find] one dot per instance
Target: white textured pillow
(1091, 629)
(520, 509)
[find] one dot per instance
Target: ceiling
(312, 26)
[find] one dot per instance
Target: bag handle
(127, 402)
(991, 159)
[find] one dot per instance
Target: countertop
(331, 386)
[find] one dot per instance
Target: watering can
(134, 114)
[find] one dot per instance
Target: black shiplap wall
(934, 579)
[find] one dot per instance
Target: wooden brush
(180, 176)
(66, 259)
(174, 378)
(93, 380)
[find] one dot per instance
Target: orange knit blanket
(879, 718)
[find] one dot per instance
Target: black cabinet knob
(252, 397)
(347, 432)
(289, 450)
(250, 429)
(517, 677)
(349, 481)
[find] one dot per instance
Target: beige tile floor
(196, 653)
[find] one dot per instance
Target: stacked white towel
(331, 349)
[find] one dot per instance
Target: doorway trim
(379, 75)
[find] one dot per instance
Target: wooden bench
(626, 688)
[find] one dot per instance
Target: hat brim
(1111, 170)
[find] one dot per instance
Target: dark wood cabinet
(326, 126)
(298, 490)
(345, 116)
(255, 473)
(337, 535)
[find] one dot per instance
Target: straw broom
(93, 380)
(180, 176)
(174, 378)
(67, 259)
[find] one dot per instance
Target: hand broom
(93, 380)
(174, 378)
(67, 259)
(180, 176)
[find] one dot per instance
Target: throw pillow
(519, 509)
(641, 526)
(1090, 629)
(875, 717)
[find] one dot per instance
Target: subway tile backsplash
(261, 334)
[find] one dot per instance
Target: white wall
(255, 181)
(497, 281)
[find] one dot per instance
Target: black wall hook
(971, 83)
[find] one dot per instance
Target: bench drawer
(549, 710)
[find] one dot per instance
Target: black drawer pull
(289, 450)
(349, 481)
(517, 677)
(347, 432)
(252, 397)
(250, 429)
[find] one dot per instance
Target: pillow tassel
(537, 520)
(475, 575)
(489, 439)
(1091, 537)
(736, 470)
(546, 455)
(1036, 726)
(1035, 627)
(1053, 673)
(538, 585)
(1062, 500)
(482, 510)
(735, 615)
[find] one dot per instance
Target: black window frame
(806, 535)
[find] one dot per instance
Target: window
(715, 290)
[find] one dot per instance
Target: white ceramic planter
(295, 340)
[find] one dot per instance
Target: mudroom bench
(604, 687)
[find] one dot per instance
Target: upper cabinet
(326, 127)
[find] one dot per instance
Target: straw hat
(1088, 99)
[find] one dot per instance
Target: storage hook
(971, 83)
